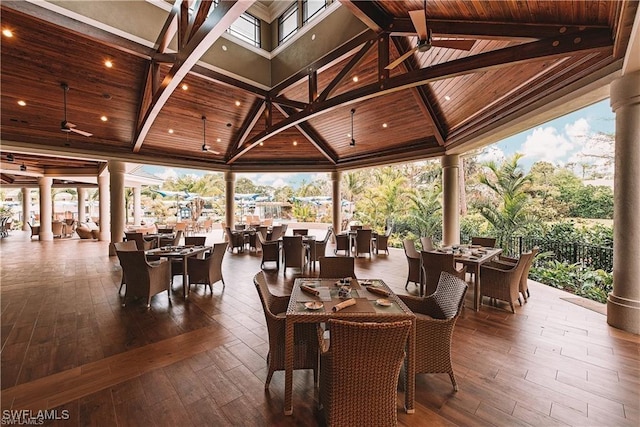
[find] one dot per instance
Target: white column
(116, 199)
(103, 206)
(450, 199)
(623, 303)
(26, 208)
(229, 194)
(137, 205)
(336, 198)
(82, 207)
(45, 208)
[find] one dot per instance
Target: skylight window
(288, 23)
(312, 8)
(247, 29)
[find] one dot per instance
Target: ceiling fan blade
(419, 23)
(79, 132)
(401, 59)
(454, 44)
(67, 125)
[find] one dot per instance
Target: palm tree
(426, 211)
(353, 185)
(509, 184)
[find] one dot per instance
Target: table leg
(288, 367)
(410, 381)
(476, 288)
(185, 278)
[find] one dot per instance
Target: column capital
(625, 90)
(229, 176)
(116, 166)
(336, 175)
(450, 160)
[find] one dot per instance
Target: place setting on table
(316, 300)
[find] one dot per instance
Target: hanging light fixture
(206, 148)
(353, 141)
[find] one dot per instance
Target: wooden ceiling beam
(353, 62)
(289, 102)
(594, 40)
(169, 28)
(369, 13)
(249, 123)
(491, 30)
(216, 77)
(214, 26)
(312, 136)
(6, 179)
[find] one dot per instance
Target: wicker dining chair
(433, 263)
(234, 239)
(175, 241)
(381, 241)
(294, 252)
(307, 336)
(413, 260)
(436, 316)
(487, 242)
(195, 240)
(359, 372)
(300, 232)
(270, 251)
(427, 243)
(208, 270)
(318, 248)
(504, 283)
(143, 245)
(127, 246)
(363, 241)
(337, 267)
(144, 279)
(504, 260)
(342, 243)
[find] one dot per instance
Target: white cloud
(578, 131)
(167, 174)
(279, 183)
(491, 153)
(547, 144)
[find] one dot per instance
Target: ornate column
(229, 201)
(137, 205)
(82, 207)
(116, 200)
(451, 199)
(45, 208)
(623, 304)
(26, 208)
(336, 198)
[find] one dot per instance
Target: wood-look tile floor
(67, 344)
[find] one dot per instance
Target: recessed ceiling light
(447, 98)
(7, 32)
(224, 47)
(355, 79)
(108, 63)
(261, 144)
(313, 36)
(104, 118)
(22, 103)
(237, 103)
(170, 130)
(348, 135)
(295, 142)
(384, 125)
(184, 86)
(218, 140)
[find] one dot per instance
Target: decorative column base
(623, 314)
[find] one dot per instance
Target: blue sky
(560, 141)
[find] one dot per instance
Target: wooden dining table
(366, 309)
(182, 253)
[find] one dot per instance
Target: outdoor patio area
(68, 344)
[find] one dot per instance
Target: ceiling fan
(425, 40)
(206, 148)
(66, 126)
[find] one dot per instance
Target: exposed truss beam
(218, 21)
(249, 123)
(289, 102)
(594, 40)
(214, 76)
(353, 62)
(369, 13)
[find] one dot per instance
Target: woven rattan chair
(128, 246)
(276, 233)
(318, 248)
(363, 241)
(195, 240)
(433, 263)
(270, 251)
(35, 231)
(381, 241)
(260, 230)
(504, 283)
(144, 279)
(487, 242)
(143, 245)
(359, 373)
(436, 316)
(342, 243)
(509, 262)
(413, 260)
(337, 267)
(300, 232)
(208, 270)
(294, 252)
(427, 243)
(235, 239)
(167, 241)
(307, 336)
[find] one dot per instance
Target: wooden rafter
(249, 123)
(369, 13)
(289, 102)
(593, 40)
(353, 62)
(218, 21)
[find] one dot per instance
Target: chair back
(276, 232)
(294, 251)
(134, 265)
(165, 229)
(363, 241)
(355, 227)
(344, 375)
(126, 246)
(195, 240)
(137, 237)
(487, 242)
(319, 247)
(337, 267)
(434, 263)
(300, 232)
(413, 260)
(449, 295)
(427, 243)
(524, 286)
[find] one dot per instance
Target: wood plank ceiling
(523, 52)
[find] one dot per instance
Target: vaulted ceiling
(297, 107)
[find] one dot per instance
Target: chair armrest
(279, 304)
(507, 259)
